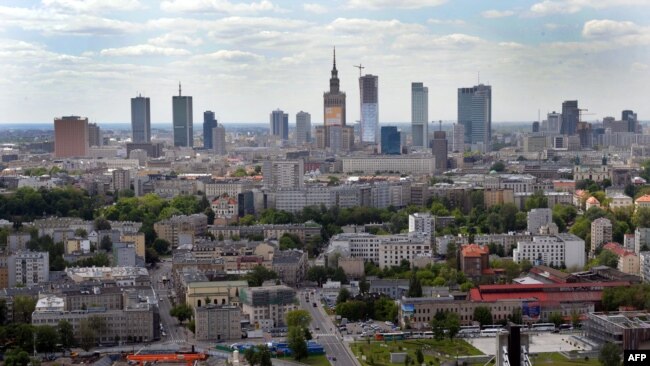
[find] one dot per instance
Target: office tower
(218, 137)
(280, 124)
(631, 119)
(70, 137)
(334, 111)
(121, 179)
(140, 119)
(303, 128)
(535, 126)
(368, 85)
(458, 138)
(183, 120)
(391, 141)
(439, 150)
(554, 122)
(475, 114)
(570, 117)
(419, 114)
(94, 135)
(209, 122)
(278, 174)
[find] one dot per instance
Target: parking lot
(539, 343)
(368, 328)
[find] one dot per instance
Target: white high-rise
(419, 114)
(368, 85)
(421, 223)
(303, 128)
(219, 139)
(601, 233)
(281, 174)
(537, 218)
(458, 138)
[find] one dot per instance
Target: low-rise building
(474, 260)
(225, 209)
(170, 229)
(393, 288)
(628, 261)
(216, 293)
(267, 307)
(217, 322)
(353, 267)
(630, 330)
(562, 249)
(291, 266)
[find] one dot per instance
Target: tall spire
(179, 88)
(334, 58)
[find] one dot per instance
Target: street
(328, 335)
(174, 332)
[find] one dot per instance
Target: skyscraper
(140, 119)
(209, 122)
(535, 126)
(342, 136)
(218, 139)
(368, 86)
(458, 138)
(94, 135)
(279, 124)
(475, 114)
(553, 122)
(570, 117)
(419, 114)
(70, 137)
(390, 140)
(303, 128)
(631, 119)
(439, 150)
(183, 120)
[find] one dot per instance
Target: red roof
(548, 293)
(473, 250)
(617, 249)
(644, 199)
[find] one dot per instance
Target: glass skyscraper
(419, 114)
(182, 120)
(140, 120)
(368, 85)
(475, 114)
(280, 124)
(209, 122)
(390, 141)
(570, 117)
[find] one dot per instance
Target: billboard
(333, 116)
(531, 309)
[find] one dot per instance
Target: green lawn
(435, 351)
(557, 359)
(320, 360)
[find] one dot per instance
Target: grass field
(559, 360)
(320, 360)
(435, 351)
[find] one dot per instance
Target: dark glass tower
(390, 140)
(140, 119)
(182, 120)
(209, 122)
(570, 117)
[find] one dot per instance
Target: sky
(243, 59)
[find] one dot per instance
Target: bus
(491, 332)
(389, 336)
(566, 327)
(542, 327)
(469, 330)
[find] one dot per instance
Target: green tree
(106, 243)
(66, 334)
(102, 224)
(317, 274)
(210, 214)
(3, 311)
(16, 357)
(364, 286)
(483, 315)
(610, 355)
(536, 200)
(161, 246)
(556, 318)
(46, 338)
(151, 256)
(24, 306)
(298, 318)
(297, 343)
(415, 287)
(258, 275)
(607, 258)
(641, 217)
(344, 295)
(81, 233)
(419, 356)
(86, 335)
(516, 316)
(385, 309)
(265, 355)
(499, 166)
(251, 355)
(452, 324)
(182, 312)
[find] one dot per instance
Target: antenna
(179, 88)
(440, 125)
(360, 67)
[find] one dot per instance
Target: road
(328, 335)
(174, 332)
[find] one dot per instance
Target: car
(316, 328)
(314, 304)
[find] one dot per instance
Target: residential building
(601, 233)
(406, 164)
(209, 122)
(279, 174)
(353, 267)
(70, 137)
(27, 268)
(122, 276)
(218, 134)
(570, 118)
(628, 261)
(384, 250)
(217, 323)
(495, 197)
(393, 288)
(183, 120)
(368, 86)
(226, 210)
(537, 218)
(419, 115)
(171, 228)
(279, 124)
(643, 201)
(267, 306)
(94, 135)
(140, 120)
(390, 141)
(291, 266)
(303, 128)
(562, 249)
(619, 200)
(475, 114)
(121, 180)
(439, 150)
(458, 138)
(474, 260)
(422, 223)
(641, 239)
(138, 241)
(644, 266)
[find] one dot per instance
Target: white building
(641, 239)
(385, 250)
(539, 217)
(619, 200)
(566, 249)
(644, 264)
(601, 233)
(303, 128)
(279, 174)
(421, 223)
(413, 164)
(28, 268)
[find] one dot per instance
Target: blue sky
(243, 59)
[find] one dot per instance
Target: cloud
(640, 67)
(399, 4)
(511, 45)
(217, 6)
(144, 50)
(92, 6)
(446, 21)
(497, 13)
(606, 28)
(314, 8)
(175, 39)
(234, 56)
(548, 7)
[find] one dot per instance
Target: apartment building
(170, 229)
(26, 268)
(562, 249)
(267, 307)
(601, 233)
(217, 322)
(628, 261)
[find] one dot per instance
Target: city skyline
(89, 59)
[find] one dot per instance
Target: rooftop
(643, 199)
(473, 250)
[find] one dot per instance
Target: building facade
(303, 128)
(601, 233)
(570, 117)
(369, 89)
(390, 141)
(419, 115)
(219, 139)
(94, 135)
(279, 124)
(140, 120)
(183, 121)
(279, 174)
(70, 137)
(475, 114)
(439, 150)
(217, 322)
(209, 122)
(558, 250)
(28, 268)
(267, 307)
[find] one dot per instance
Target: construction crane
(360, 67)
(580, 113)
(188, 358)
